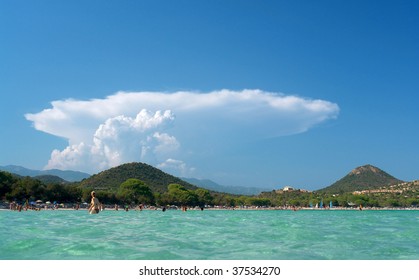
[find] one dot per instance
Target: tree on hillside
(134, 191)
(255, 201)
(179, 195)
(25, 188)
(6, 182)
(204, 197)
(56, 192)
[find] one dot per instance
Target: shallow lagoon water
(213, 235)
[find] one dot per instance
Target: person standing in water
(94, 204)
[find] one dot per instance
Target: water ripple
(213, 235)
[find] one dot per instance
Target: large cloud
(164, 128)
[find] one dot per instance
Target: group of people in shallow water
(23, 207)
(94, 207)
(14, 206)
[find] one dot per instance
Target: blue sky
(253, 93)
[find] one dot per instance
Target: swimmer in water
(94, 204)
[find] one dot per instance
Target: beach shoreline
(6, 207)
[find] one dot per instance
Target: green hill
(50, 179)
(112, 178)
(362, 178)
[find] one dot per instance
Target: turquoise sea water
(214, 235)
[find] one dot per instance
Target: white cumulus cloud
(163, 129)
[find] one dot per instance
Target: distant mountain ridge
(213, 186)
(67, 175)
(364, 177)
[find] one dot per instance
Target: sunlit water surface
(214, 235)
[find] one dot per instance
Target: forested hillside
(112, 178)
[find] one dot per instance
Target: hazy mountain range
(67, 175)
(211, 185)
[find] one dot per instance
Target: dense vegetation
(13, 188)
(137, 183)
